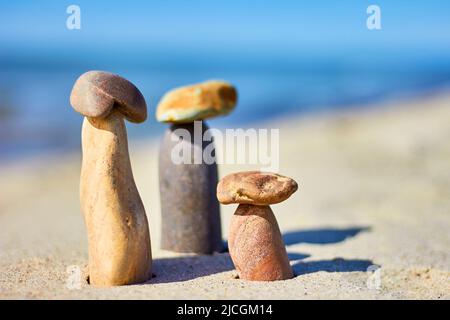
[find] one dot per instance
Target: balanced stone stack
(190, 212)
(256, 246)
(117, 227)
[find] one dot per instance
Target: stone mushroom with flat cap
(255, 243)
(190, 212)
(117, 227)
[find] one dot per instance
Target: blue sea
(35, 114)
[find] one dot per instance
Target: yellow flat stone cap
(197, 102)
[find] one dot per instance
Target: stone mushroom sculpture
(190, 212)
(117, 227)
(255, 243)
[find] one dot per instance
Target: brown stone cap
(255, 187)
(95, 93)
(197, 102)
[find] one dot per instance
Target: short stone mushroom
(117, 227)
(254, 240)
(190, 212)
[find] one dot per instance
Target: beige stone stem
(117, 227)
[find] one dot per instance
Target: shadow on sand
(186, 268)
(325, 236)
(335, 265)
(322, 236)
(191, 267)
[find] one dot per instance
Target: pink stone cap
(96, 93)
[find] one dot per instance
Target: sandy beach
(374, 190)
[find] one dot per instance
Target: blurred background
(285, 57)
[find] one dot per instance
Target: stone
(254, 239)
(190, 212)
(115, 218)
(95, 93)
(197, 102)
(255, 187)
(256, 246)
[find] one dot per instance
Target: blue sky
(227, 26)
(284, 56)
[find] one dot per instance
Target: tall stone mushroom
(255, 243)
(190, 212)
(117, 227)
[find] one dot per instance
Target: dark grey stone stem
(190, 211)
